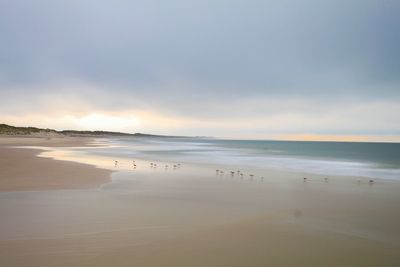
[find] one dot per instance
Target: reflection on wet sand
(202, 215)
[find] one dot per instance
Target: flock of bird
(251, 176)
(370, 181)
(221, 172)
(239, 173)
(152, 165)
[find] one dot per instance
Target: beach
(73, 206)
(22, 170)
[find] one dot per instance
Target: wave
(318, 158)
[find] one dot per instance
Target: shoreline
(58, 141)
(22, 155)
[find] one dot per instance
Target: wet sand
(64, 141)
(192, 217)
(22, 170)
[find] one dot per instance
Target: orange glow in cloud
(132, 121)
(128, 121)
(100, 121)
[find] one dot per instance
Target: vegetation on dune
(12, 130)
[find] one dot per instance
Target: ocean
(374, 160)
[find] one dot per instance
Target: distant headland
(9, 130)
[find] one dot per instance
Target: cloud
(264, 66)
(242, 117)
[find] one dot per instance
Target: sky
(270, 69)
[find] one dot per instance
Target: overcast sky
(237, 69)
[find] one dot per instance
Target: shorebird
(371, 181)
(304, 179)
(241, 176)
(116, 163)
(232, 173)
(326, 179)
(251, 176)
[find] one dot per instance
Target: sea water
(374, 160)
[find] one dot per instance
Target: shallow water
(373, 160)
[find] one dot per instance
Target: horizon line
(392, 139)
